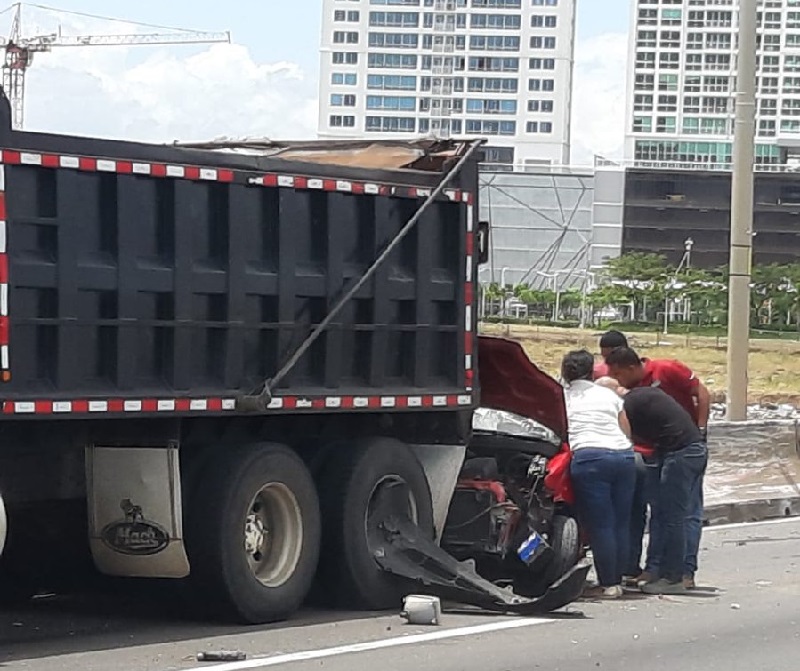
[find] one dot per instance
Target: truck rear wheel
(253, 532)
(360, 485)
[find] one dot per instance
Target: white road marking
(263, 662)
(746, 525)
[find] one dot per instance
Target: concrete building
(681, 82)
(541, 227)
(499, 69)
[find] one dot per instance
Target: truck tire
(253, 533)
(355, 481)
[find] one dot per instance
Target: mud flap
(406, 552)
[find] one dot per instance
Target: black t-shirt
(659, 420)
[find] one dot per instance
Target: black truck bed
(163, 279)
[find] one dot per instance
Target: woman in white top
(603, 469)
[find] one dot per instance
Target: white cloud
(598, 109)
(218, 91)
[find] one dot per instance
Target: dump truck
(251, 367)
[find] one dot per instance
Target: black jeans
(681, 477)
(603, 481)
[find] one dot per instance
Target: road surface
(746, 618)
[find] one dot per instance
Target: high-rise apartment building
(499, 69)
(682, 81)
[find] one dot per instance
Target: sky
(264, 83)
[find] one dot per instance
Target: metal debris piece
(221, 656)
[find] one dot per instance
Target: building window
(340, 15)
(343, 100)
(642, 103)
(541, 84)
(691, 105)
(490, 106)
(539, 127)
(645, 60)
(390, 124)
(344, 57)
(485, 127)
(643, 82)
(667, 103)
(692, 84)
(545, 3)
(665, 124)
(542, 64)
(394, 19)
(668, 82)
(498, 4)
(669, 61)
(691, 125)
(394, 40)
(494, 43)
(397, 61)
(766, 128)
(339, 121)
(344, 79)
(492, 85)
(392, 82)
(403, 103)
(546, 127)
(496, 21)
(544, 106)
(345, 37)
(543, 21)
(642, 124)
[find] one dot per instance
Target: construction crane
(19, 50)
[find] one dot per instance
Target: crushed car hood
(510, 381)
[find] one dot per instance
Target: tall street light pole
(742, 214)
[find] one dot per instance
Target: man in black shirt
(659, 421)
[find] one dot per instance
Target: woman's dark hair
(577, 365)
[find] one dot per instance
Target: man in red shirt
(678, 381)
(609, 341)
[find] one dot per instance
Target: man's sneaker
(598, 592)
(643, 578)
(664, 586)
(688, 582)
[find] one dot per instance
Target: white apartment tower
(682, 81)
(497, 69)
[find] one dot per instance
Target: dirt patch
(774, 368)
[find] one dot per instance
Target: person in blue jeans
(602, 470)
(658, 420)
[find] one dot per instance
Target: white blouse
(593, 417)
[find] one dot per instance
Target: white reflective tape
(388, 402)
(24, 407)
(344, 186)
(198, 404)
(4, 300)
(285, 180)
(229, 404)
(415, 401)
(469, 269)
(4, 357)
(256, 180)
(333, 402)
(470, 216)
(465, 399)
(468, 362)
(141, 168)
(275, 404)
(62, 406)
(2, 177)
(304, 403)
(451, 194)
(106, 166)
(208, 173)
(69, 162)
(465, 197)
(175, 171)
(440, 400)
(360, 402)
(316, 184)
(2, 237)
(423, 193)
(165, 405)
(98, 406)
(373, 189)
(132, 406)
(30, 159)
(468, 318)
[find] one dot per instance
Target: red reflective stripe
(89, 164)
(3, 268)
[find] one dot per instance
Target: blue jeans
(676, 524)
(638, 519)
(604, 481)
(693, 522)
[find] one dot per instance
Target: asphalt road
(746, 617)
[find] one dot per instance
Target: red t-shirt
(600, 370)
(674, 379)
